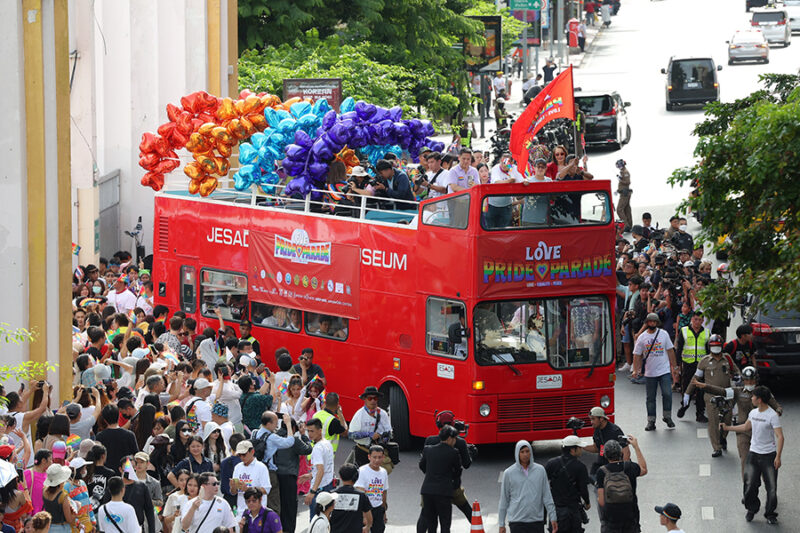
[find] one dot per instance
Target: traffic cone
(477, 519)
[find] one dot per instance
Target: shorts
(626, 336)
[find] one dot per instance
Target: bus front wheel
(398, 411)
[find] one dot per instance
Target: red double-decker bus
(495, 302)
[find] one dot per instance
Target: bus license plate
(549, 381)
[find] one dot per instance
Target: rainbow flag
(158, 509)
(76, 335)
(132, 316)
(283, 388)
(74, 442)
(76, 249)
(141, 291)
(127, 468)
(169, 355)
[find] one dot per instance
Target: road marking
(702, 433)
(705, 470)
(707, 513)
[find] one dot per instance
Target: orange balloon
(199, 143)
(226, 110)
(194, 186)
(206, 128)
(258, 120)
(208, 185)
(236, 129)
(225, 150)
(221, 135)
(193, 170)
(222, 166)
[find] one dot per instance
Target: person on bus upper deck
(393, 184)
(574, 171)
(277, 319)
(463, 175)
(245, 327)
(455, 333)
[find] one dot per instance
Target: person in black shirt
(307, 369)
(352, 512)
(620, 516)
(118, 442)
(568, 484)
(99, 476)
(442, 467)
(604, 431)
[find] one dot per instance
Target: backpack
(260, 445)
(617, 486)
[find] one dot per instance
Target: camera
(720, 402)
(575, 424)
(623, 440)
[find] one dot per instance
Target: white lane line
(707, 513)
(705, 470)
(702, 433)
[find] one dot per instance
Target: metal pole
(525, 45)
(551, 28)
(483, 103)
(561, 43)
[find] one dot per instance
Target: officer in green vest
(245, 327)
(333, 423)
(692, 346)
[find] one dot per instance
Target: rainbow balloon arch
(304, 137)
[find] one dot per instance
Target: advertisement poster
(489, 56)
(544, 265)
(299, 272)
(314, 88)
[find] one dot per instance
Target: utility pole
(561, 36)
(525, 62)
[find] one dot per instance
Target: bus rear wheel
(398, 411)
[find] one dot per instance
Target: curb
(588, 47)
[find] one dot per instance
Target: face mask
(749, 387)
(96, 289)
(651, 328)
(682, 227)
(716, 349)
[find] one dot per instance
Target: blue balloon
(247, 154)
(321, 107)
(298, 109)
(347, 105)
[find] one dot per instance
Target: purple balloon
(396, 113)
(341, 131)
(329, 120)
(317, 171)
(299, 185)
(320, 151)
(293, 168)
(364, 110)
(380, 114)
(437, 146)
(296, 152)
(427, 128)
(352, 115)
(302, 138)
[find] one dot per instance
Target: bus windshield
(567, 332)
(542, 210)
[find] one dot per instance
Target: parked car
(792, 8)
(691, 80)
(750, 4)
(748, 45)
(606, 118)
(776, 338)
(773, 23)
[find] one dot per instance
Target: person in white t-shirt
(207, 511)
(117, 516)
(764, 458)
(463, 175)
(435, 176)
(249, 474)
(321, 464)
(500, 209)
(374, 481)
(654, 357)
(121, 298)
(499, 84)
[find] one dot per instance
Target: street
(627, 57)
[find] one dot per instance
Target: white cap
(572, 440)
(689, 264)
(357, 171)
(325, 498)
(245, 446)
(201, 383)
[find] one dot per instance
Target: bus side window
(188, 279)
(445, 328)
(331, 327)
(448, 212)
(224, 290)
(275, 316)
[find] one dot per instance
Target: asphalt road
(628, 57)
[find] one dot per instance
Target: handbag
(392, 448)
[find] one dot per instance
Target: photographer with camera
(716, 370)
(466, 452)
(569, 481)
(624, 191)
(605, 431)
(370, 425)
(392, 184)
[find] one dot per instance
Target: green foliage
(26, 371)
(512, 28)
(16, 335)
(749, 181)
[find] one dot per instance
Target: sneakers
(724, 442)
(682, 410)
(749, 516)
(624, 368)
(702, 419)
(772, 520)
(718, 453)
(668, 421)
(651, 425)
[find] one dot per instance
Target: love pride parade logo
(545, 263)
(300, 249)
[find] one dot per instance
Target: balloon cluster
(358, 125)
(258, 156)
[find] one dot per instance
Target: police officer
(692, 346)
(742, 396)
(569, 480)
(715, 370)
(334, 424)
(447, 418)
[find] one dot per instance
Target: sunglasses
(371, 398)
(305, 358)
(186, 431)
(213, 484)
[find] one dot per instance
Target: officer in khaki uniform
(716, 370)
(742, 395)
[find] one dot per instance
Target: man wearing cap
(654, 357)
(245, 327)
(197, 405)
(121, 298)
(669, 515)
(249, 474)
(81, 424)
(369, 425)
(604, 431)
(742, 396)
(569, 480)
(137, 495)
(691, 347)
(619, 508)
(499, 85)
(500, 209)
(140, 462)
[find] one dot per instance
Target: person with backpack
(616, 488)
(265, 444)
(654, 357)
(569, 482)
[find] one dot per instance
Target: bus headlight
(484, 409)
(605, 402)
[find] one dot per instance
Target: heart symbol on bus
(541, 270)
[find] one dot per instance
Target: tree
(748, 178)
(27, 370)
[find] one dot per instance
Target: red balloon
(148, 161)
(173, 111)
(166, 129)
(153, 180)
(148, 143)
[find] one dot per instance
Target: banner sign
(314, 88)
(487, 57)
(296, 272)
(508, 270)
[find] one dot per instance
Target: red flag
(556, 100)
